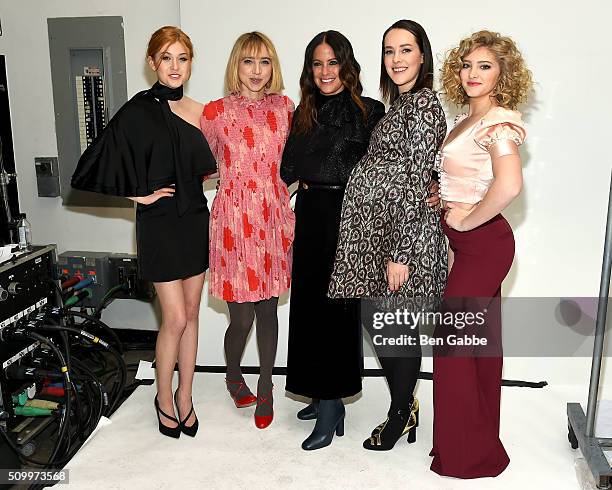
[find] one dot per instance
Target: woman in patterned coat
(391, 245)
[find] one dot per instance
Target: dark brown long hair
(388, 89)
(306, 118)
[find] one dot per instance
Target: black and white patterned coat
(384, 213)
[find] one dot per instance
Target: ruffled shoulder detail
(500, 124)
(289, 103)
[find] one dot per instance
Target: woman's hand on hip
(397, 275)
(434, 195)
(151, 198)
(455, 215)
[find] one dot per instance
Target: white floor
(230, 452)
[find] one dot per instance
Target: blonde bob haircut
(515, 81)
(250, 44)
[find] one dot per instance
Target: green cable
(111, 291)
(32, 411)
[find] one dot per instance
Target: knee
(192, 311)
(243, 323)
(175, 322)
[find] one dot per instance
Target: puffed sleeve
(426, 126)
(287, 169)
(208, 124)
(501, 132)
(116, 162)
(290, 110)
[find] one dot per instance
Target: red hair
(164, 36)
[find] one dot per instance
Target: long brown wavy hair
(306, 117)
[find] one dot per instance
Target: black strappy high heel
(190, 430)
(174, 432)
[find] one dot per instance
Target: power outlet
(47, 176)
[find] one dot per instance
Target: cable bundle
(77, 392)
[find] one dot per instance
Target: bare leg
(173, 325)
(188, 347)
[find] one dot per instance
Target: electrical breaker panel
(90, 104)
(89, 86)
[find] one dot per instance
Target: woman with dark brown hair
(153, 152)
(391, 248)
(330, 133)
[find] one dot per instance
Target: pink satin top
(465, 163)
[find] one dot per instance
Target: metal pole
(5, 179)
(600, 325)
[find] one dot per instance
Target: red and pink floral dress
(251, 223)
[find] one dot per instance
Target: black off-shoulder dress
(146, 147)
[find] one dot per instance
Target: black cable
(64, 339)
(98, 323)
(108, 298)
(92, 422)
(109, 348)
(92, 410)
(64, 415)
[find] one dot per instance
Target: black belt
(327, 187)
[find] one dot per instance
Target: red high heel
(246, 400)
(263, 421)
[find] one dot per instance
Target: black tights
(402, 374)
(241, 321)
(400, 364)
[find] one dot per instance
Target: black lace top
(329, 152)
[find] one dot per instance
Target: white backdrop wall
(558, 220)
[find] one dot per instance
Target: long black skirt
(324, 358)
(170, 246)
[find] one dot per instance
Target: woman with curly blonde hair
(480, 175)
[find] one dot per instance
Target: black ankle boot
(398, 423)
(309, 412)
(330, 419)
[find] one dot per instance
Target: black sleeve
(427, 125)
(375, 114)
(115, 163)
(288, 171)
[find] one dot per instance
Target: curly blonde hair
(515, 81)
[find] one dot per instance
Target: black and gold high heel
(398, 423)
(192, 429)
(173, 432)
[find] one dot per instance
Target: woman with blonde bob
(252, 224)
(480, 175)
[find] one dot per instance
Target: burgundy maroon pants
(467, 384)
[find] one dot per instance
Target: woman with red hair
(153, 152)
